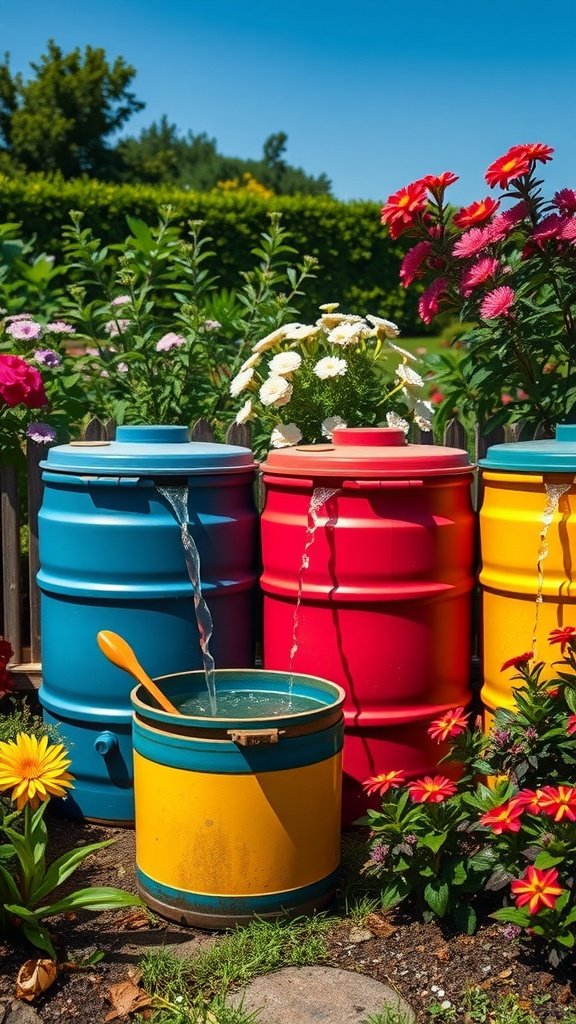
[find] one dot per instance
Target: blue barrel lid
(553, 455)
(158, 450)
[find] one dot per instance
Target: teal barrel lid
(158, 450)
(553, 455)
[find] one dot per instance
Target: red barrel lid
(366, 453)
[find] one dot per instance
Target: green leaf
(63, 867)
(464, 917)
(566, 939)
(39, 937)
(437, 894)
(434, 842)
(9, 884)
(546, 860)
(512, 915)
(104, 898)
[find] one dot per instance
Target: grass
(479, 1007)
(388, 1016)
(193, 989)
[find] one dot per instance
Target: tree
(61, 118)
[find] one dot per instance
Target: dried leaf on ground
(360, 935)
(126, 998)
(380, 925)
(134, 920)
(34, 978)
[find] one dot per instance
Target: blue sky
(374, 93)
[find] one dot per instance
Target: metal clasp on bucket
(255, 737)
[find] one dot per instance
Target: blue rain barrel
(111, 557)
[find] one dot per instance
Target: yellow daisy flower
(33, 769)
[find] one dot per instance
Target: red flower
(472, 242)
(512, 165)
(534, 151)
(553, 691)
(20, 383)
(562, 636)
(530, 800)
(400, 208)
(450, 724)
(518, 662)
(565, 200)
(505, 818)
(537, 888)
(431, 790)
(428, 302)
(412, 262)
(6, 651)
(571, 725)
(479, 272)
(559, 802)
(497, 303)
(382, 783)
(476, 213)
(435, 182)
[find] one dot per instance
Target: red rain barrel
(384, 605)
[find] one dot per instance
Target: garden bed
(427, 966)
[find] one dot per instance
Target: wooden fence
(20, 595)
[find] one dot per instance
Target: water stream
(319, 497)
(554, 492)
(177, 497)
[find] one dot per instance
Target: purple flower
(380, 852)
(501, 737)
(114, 327)
(410, 839)
(531, 733)
(511, 931)
(170, 340)
(24, 330)
(42, 433)
(46, 357)
(59, 327)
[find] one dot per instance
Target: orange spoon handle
(119, 652)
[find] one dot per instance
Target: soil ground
(410, 956)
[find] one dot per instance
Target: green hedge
(359, 264)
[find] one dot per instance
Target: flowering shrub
(445, 843)
(35, 771)
(6, 653)
(303, 380)
(510, 270)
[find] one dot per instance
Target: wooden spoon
(119, 652)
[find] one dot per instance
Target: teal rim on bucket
(328, 698)
(551, 455)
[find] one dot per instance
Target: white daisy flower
(329, 307)
(396, 421)
(329, 366)
(284, 435)
(274, 338)
(348, 334)
(389, 329)
(241, 381)
(330, 320)
(408, 377)
(301, 332)
(402, 352)
(245, 413)
(329, 425)
(275, 391)
(284, 363)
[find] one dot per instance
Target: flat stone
(21, 1013)
(318, 995)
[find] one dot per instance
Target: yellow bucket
(237, 816)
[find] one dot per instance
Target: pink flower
(565, 200)
(20, 383)
(114, 327)
(121, 300)
(568, 230)
(24, 330)
(507, 220)
(472, 242)
(497, 303)
(428, 302)
(170, 340)
(59, 327)
(412, 262)
(478, 273)
(549, 227)
(18, 316)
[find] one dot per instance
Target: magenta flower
(46, 357)
(412, 262)
(504, 222)
(565, 200)
(169, 341)
(497, 303)
(472, 242)
(42, 433)
(478, 273)
(428, 302)
(59, 327)
(549, 227)
(24, 330)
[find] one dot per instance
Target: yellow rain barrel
(238, 814)
(528, 551)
